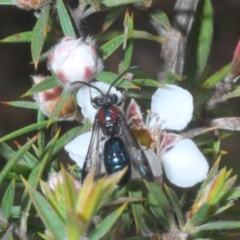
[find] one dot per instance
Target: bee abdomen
(116, 158)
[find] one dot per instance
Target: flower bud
(75, 60)
(48, 99)
(30, 4)
(57, 178)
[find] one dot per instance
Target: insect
(112, 142)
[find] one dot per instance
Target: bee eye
(97, 101)
(114, 98)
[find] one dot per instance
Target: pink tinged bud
(48, 99)
(75, 60)
(56, 178)
(30, 4)
(133, 113)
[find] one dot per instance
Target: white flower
(78, 147)
(75, 60)
(171, 108)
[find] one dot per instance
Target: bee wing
(136, 153)
(94, 154)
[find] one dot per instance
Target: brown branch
(173, 52)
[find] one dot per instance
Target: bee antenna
(124, 72)
(89, 85)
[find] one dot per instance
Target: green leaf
(7, 2)
(102, 228)
(7, 201)
(158, 212)
(21, 169)
(161, 18)
(216, 149)
(25, 201)
(216, 186)
(156, 191)
(220, 210)
(41, 136)
(128, 43)
(219, 225)
(212, 173)
(159, 204)
(69, 189)
(108, 77)
(72, 227)
(147, 36)
(199, 216)
(48, 83)
(175, 205)
(46, 155)
(65, 20)
(18, 37)
(205, 36)
(226, 188)
(232, 194)
(140, 94)
(126, 220)
(198, 49)
(39, 34)
(29, 160)
(147, 82)
(6, 151)
(111, 16)
(216, 77)
(150, 222)
(15, 212)
(22, 104)
(137, 34)
(172, 78)
(10, 164)
(108, 48)
(114, 3)
(50, 218)
(137, 210)
(32, 127)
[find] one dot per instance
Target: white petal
(154, 162)
(78, 147)
(85, 94)
(184, 164)
(173, 105)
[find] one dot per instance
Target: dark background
(15, 67)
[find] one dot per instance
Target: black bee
(119, 149)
